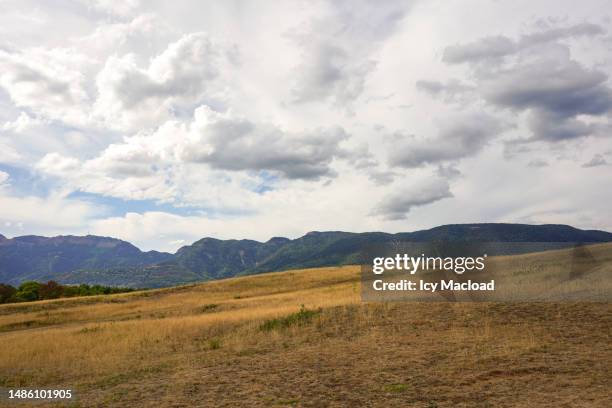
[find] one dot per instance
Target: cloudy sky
(163, 122)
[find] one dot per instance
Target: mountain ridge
(36, 257)
(71, 259)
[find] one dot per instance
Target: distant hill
(110, 261)
(39, 258)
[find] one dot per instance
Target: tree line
(30, 291)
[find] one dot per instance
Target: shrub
(31, 290)
(207, 308)
(300, 318)
(6, 292)
(396, 388)
(28, 291)
(50, 290)
(214, 344)
(70, 291)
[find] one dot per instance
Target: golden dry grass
(204, 345)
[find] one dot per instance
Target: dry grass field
(304, 338)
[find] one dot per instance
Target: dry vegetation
(248, 342)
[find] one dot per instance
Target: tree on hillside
(6, 292)
(50, 290)
(28, 291)
(31, 291)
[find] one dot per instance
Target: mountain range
(109, 261)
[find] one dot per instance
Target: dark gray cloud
(597, 160)
(539, 77)
(555, 91)
(554, 34)
(552, 127)
(483, 49)
(382, 177)
(398, 204)
(451, 91)
(496, 47)
(240, 145)
(556, 85)
(462, 137)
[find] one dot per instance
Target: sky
(164, 122)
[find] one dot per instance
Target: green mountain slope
(40, 258)
(113, 262)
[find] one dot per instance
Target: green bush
(28, 291)
(214, 344)
(300, 318)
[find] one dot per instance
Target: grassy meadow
(304, 338)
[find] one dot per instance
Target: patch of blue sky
(120, 207)
(25, 182)
(186, 111)
(265, 183)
